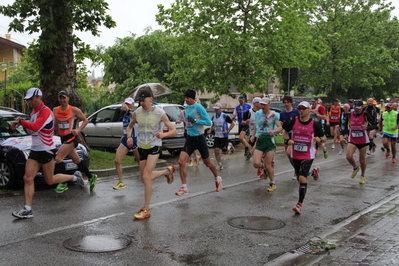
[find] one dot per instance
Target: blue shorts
(124, 143)
(393, 137)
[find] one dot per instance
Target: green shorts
(265, 143)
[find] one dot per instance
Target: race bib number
(218, 128)
(357, 134)
(63, 125)
(300, 147)
(334, 117)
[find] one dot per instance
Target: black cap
(350, 101)
(190, 93)
(63, 94)
(358, 104)
(314, 99)
(143, 95)
(335, 100)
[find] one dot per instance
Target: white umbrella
(156, 90)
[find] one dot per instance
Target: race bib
(357, 134)
(63, 125)
(300, 147)
(334, 117)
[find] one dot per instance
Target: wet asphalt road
(193, 229)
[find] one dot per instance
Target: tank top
(303, 136)
(220, 125)
(64, 120)
(252, 120)
(149, 124)
(357, 135)
(334, 114)
(389, 119)
(125, 122)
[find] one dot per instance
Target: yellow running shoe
(355, 170)
(362, 180)
(272, 187)
(119, 185)
(142, 214)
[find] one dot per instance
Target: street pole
(5, 86)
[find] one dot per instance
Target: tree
(56, 20)
(242, 43)
(352, 37)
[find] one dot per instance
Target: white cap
(33, 92)
(264, 100)
(129, 100)
(304, 104)
(217, 106)
(256, 100)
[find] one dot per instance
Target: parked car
(104, 130)
(277, 106)
(15, 149)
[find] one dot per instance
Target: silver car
(104, 130)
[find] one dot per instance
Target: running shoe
(369, 152)
(259, 172)
(181, 192)
(170, 177)
(218, 183)
(333, 146)
(79, 180)
(61, 188)
(119, 186)
(387, 154)
(297, 208)
(197, 161)
(246, 151)
(93, 181)
(249, 155)
(272, 187)
(264, 174)
(220, 166)
(341, 152)
(325, 153)
(23, 214)
(294, 177)
(382, 149)
(362, 180)
(142, 214)
(355, 170)
(393, 160)
(191, 162)
(315, 173)
(374, 147)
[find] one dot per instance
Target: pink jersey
(41, 127)
(357, 135)
(303, 136)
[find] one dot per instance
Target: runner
(389, 127)
(374, 113)
(238, 113)
(304, 131)
(65, 117)
(150, 119)
(318, 113)
(197, 117)
(285, 117)
(333, 118)
(359, 123)
(123, 148)
(266, 121)
(220, 125)
(343, 128)
(249, 120)
(41, 127)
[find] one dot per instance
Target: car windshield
(5, 122)
(173, 113)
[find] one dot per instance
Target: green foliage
(105, 160)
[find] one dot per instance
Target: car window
(173, 112)
(106, 115)
(5, 123)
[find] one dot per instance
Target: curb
(125, 170)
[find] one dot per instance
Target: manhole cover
(97, 243)
(256, 223)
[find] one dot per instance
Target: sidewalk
(125, 169)
(370, 237)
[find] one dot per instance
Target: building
(10, 53)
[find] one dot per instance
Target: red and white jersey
(357, 135)
(334, 114)
(41, 127)
(303, 136)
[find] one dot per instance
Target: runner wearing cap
(249, 120)
(238, 113)
(220, 125)
(65, 118)
(389, 127)
(290, 113)
(343, 127)
(150, 120)
(123, 148)
(266, 122)
(304, 130)
(333, 117)
(359, 122)
(374, 113)
(41, 127)
(318, 113)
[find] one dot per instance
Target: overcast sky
(131, 16)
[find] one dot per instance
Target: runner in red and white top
(41, 127)
(333, 118)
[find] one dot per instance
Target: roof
(11, 43)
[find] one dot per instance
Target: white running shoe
(341, 152)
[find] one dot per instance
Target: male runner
(374, 113)
(238, 113)
(389, 127)
(333, 118)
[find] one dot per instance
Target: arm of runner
(129, 130)
(36, 126)
(79, 114)
(172, 130)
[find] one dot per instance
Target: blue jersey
(240, 111)
(197, 112)
(286, 117)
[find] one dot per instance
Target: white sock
(28, 208)
(184, 186)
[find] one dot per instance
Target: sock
(371, 144)
(74, 178)
(28, 208)
(121, 180)
(355, 168)
(302, 191)
(184, 186)
(83, 168)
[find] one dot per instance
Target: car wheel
(174, 151)
(6, 174)
(210, 140)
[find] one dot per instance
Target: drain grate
(97, 243)
(256, 223)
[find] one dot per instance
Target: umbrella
(156, 90)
